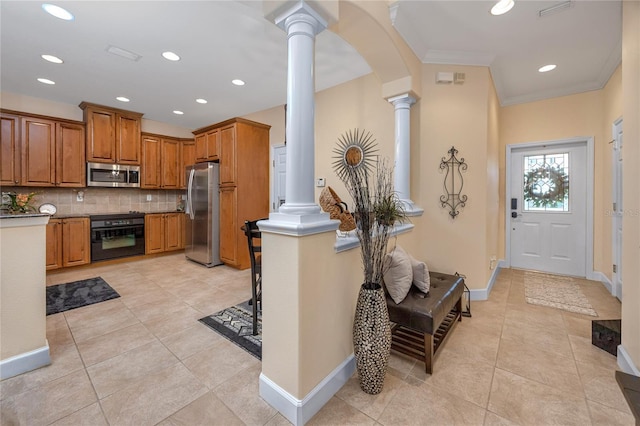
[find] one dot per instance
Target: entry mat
(76, 294)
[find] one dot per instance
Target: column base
(298, 224)
(410, 209)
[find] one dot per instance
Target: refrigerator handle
(189, 195)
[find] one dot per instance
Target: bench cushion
(425, 314)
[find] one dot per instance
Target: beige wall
(631, 155)
(584, 114)
(22, 288)
(40, 106)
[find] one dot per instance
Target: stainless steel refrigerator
(202, 211)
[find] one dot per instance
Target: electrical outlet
(149, 197)
(80, 196)
(320, 182)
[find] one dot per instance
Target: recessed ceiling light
(502, 7)
(238, 82)
(57, 11)
(46, 81)
(201, 101)
(178, 112)
(547, 68)
(170, 56)
(52, 58)
(122, 99)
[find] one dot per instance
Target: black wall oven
(117, 235)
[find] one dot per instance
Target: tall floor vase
(371, 338)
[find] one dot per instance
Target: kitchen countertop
(72, 215)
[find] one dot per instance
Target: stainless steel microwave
(113, 175)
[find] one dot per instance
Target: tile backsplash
(103, 200)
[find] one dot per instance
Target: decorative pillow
(421, 277)
(398, 274)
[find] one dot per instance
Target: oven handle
(192, 172)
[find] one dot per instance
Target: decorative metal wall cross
(453, 182)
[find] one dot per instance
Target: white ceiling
(222, 40)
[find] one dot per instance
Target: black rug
(63, 297)
(236, 324)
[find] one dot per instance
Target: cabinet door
(213, 145)
(201, 148)
(54, 244)
(172, 231)
(38, 152)
(70, 162)
(228, 155)
(188, 149)
(153, 233)
(75, 241)
(127, 140)
(183, 230)
(150, 162)
(101, 137)
(170, 164)
(228, 225)
(9, 150)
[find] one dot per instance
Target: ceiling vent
(124, 53)
(555, 8)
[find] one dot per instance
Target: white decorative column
(300, 214)
(402, 172)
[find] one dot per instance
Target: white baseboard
(599, 276)
(25, 362)
(483, 293)
(626, 363)
(300, 411)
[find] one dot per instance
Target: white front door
(547, 208)
(279, 176)
(617, 209)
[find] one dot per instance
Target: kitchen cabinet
(163, 232)
(9, 149)
(160, 162)
(113, 135)
(188, 155)
(52, 153)
(42, 151)
(207, 145)
(244, 183)
(68, 242)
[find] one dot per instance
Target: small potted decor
(377, 208)
(18, 203)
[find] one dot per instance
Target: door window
(546, 182)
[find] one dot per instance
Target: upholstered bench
(422, 322)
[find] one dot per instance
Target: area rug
(556, 291)
(63, 297)
(236, 324)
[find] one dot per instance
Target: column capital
(301, 12)
(404, 99)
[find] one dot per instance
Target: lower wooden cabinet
(163, 232)
(68, 242)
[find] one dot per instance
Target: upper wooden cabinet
(9, 149)
(207, 145)
(244, 183)
(160, 162)
(113, 135)
(188, 155)
(42, 151)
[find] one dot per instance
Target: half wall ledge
(348, 240)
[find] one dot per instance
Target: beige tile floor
(143, 359)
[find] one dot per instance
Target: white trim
(298, 225)
(616, 246)
(483, 293)
(272, 202)
(24, 362)
(350, 240)
(626, 363)
(300, 411)
(588, 142)
(599, 276)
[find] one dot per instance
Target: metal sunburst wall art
(453, 182)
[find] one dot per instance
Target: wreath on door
(546, 186)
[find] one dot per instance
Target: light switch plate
(320, 182)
